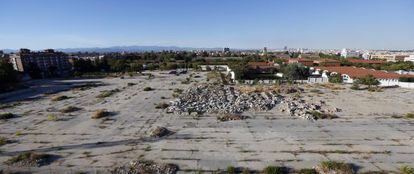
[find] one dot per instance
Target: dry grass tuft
(100, 113)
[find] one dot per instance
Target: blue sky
(369, 24)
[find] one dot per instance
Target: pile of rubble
(210, 98)
(140, 167)
(300, 108)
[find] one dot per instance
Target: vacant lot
(371, 131)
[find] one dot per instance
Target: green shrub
(338, 167)
(409, 115)
(336, 78)
(308, 171)
(246, 171)
(131, 84)
(69, 109)
(28, 159)
(5, 116)
(3, 141)
(273, 170)
(407, 170)
(148, 89)
(52, 117)
(109, 93)
(60, 98)
(231, 170)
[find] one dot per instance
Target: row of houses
(323, 68)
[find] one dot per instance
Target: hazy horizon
(241, 24)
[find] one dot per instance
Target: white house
(222, 68)
(409, 59)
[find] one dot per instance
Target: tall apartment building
(46, 61)
(389, 57)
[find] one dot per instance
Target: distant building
(345, 53)
(389, 57)
(46, 61)
(409, 59)
(226, 50)
(366, 55)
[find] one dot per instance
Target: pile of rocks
(212, 98)
(300, 108)
(140, 167)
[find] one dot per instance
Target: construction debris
(141, 167)
(210, 98)
(300, 108)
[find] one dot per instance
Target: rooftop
(354, 72)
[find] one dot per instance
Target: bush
(29, 159)
(231, 170)
(3, 141)
(148, 89)
(52, 117)
(337, 167)
(162, 106)
(308, 171)
(336, 78)
(109, 93)
(246, 171)
(59, 98)
(100, 113)
(70, 109)
(409, 115)
(273, 170)
(407, 170)
(131, 84)
(5, 116)
(368, 80)
(406, 79)
(319, 115)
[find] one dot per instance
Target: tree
(7, 74)
(335, 78)
(369, 80)
(295, 72)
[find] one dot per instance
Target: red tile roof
(361, 72)
(366, 61)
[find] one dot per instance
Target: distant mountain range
(125, 49)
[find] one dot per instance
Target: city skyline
(210, 24)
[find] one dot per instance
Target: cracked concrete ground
(367, 132)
